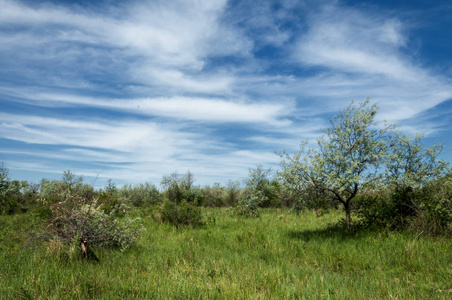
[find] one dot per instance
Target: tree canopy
(358, 152)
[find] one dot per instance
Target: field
(277, 256)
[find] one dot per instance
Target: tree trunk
(347, 213)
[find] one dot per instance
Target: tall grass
(277, 256)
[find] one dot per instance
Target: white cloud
(363, 54)
(348, 40)
(159, 43)
(167, 32)
(145, 150)
(153, 65)
(113, 135)
(184, 108)
(177, 81)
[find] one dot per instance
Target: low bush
(182, 214)
(435, 207)
(74, 215)
(213, 196)
(141, 195)
(76, 219)
(249, 205)
(427, 209)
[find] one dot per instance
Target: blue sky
(133, 90)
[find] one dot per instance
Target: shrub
(177, 187)
(259, 192)
(249, 205)
(427, 209)
(76, 216)
(232, 193)
(213, 196)
(378, 211)
(180, 214)
(141, 195)
(435, 207)
(11, 200)
(194, 196)
(9, 205)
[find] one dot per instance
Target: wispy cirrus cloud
(142, 88)
(365, 54)
(199, 109)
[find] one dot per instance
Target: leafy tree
(111, 188)
(347, 159)
(10, 196)
(179, 207)
(213, 196)
(180, 188)
(258, 192)
(54, 190)
(174, 187)
(5, 182)
(142, 194)
(417, 178)
(31, 189)
(232, 192)
(410, 166)
(111, 201)
(437, 205)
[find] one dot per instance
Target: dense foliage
(346, 161)
(180, 207)
(259, 192)
(76, 214)
(358, 157)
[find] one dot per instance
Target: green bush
(75, 214)
(11, 200)
(249, 205)
(378, 211)
(141, 195)
(213, 196)
(435, 207)
(427, 209)
(194, 195)
(9, 205)
(182, 214)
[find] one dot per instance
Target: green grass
(277, 256)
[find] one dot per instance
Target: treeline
(21, 196)
(427, 207)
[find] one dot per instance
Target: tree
(232, 192)
(182, 197)
(347, 159)
(410, 166)
(174, 186)
(181, 187)
(5, 182)
(213, 195)
(141, 194)
(257, 192)
(10, 195)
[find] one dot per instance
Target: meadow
(280, 255)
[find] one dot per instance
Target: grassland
(277, 256)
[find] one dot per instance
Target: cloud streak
(148, 87)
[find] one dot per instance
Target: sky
(134, 90)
